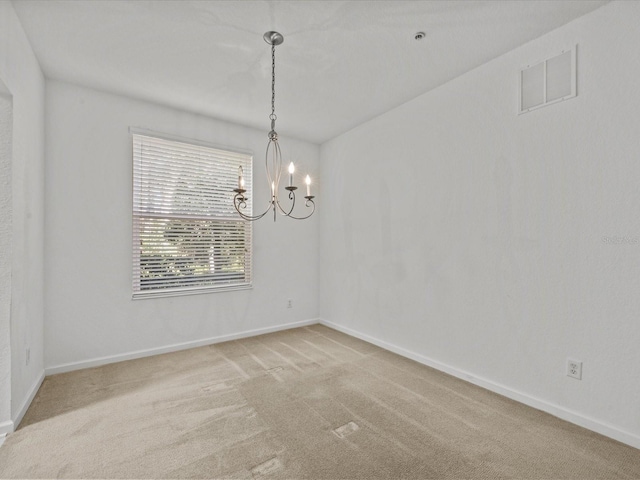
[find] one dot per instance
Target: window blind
(187, 236)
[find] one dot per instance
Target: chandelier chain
(273, 83)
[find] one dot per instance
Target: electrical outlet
(289, 303)
(28, 356)
(574, 369)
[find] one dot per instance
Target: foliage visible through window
(187, 237)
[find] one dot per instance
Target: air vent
(550, 81)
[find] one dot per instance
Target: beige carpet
(304, 403)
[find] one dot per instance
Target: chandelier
(273, 160)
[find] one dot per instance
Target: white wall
(90, 313)
(6, 235)
(22, 77)
(472, 237)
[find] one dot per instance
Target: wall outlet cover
(574, 369)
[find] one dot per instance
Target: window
(187, 236)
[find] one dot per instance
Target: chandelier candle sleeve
(240, 179)
(292, 170)
(308, 182)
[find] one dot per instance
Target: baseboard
(96, 362)
(576, 418)
(10, 426)
(27, 401)
(5, 428)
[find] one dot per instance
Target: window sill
(188, 291)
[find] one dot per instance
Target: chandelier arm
(273, 163)
(266, 163)
(278, 163)
(240, 202)
(313, 205)
(292, 197)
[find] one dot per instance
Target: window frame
(135, 238)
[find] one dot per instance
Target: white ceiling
(342, 62)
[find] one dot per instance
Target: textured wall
(500, 244)
(21, 74)
(88, 235)
(6, 234)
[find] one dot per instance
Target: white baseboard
(10, 425)
(5, 428)
(27, 401)
(96, 362)
(576, 418)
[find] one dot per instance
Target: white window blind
(187, 236)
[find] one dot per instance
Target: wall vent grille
(550, 81)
